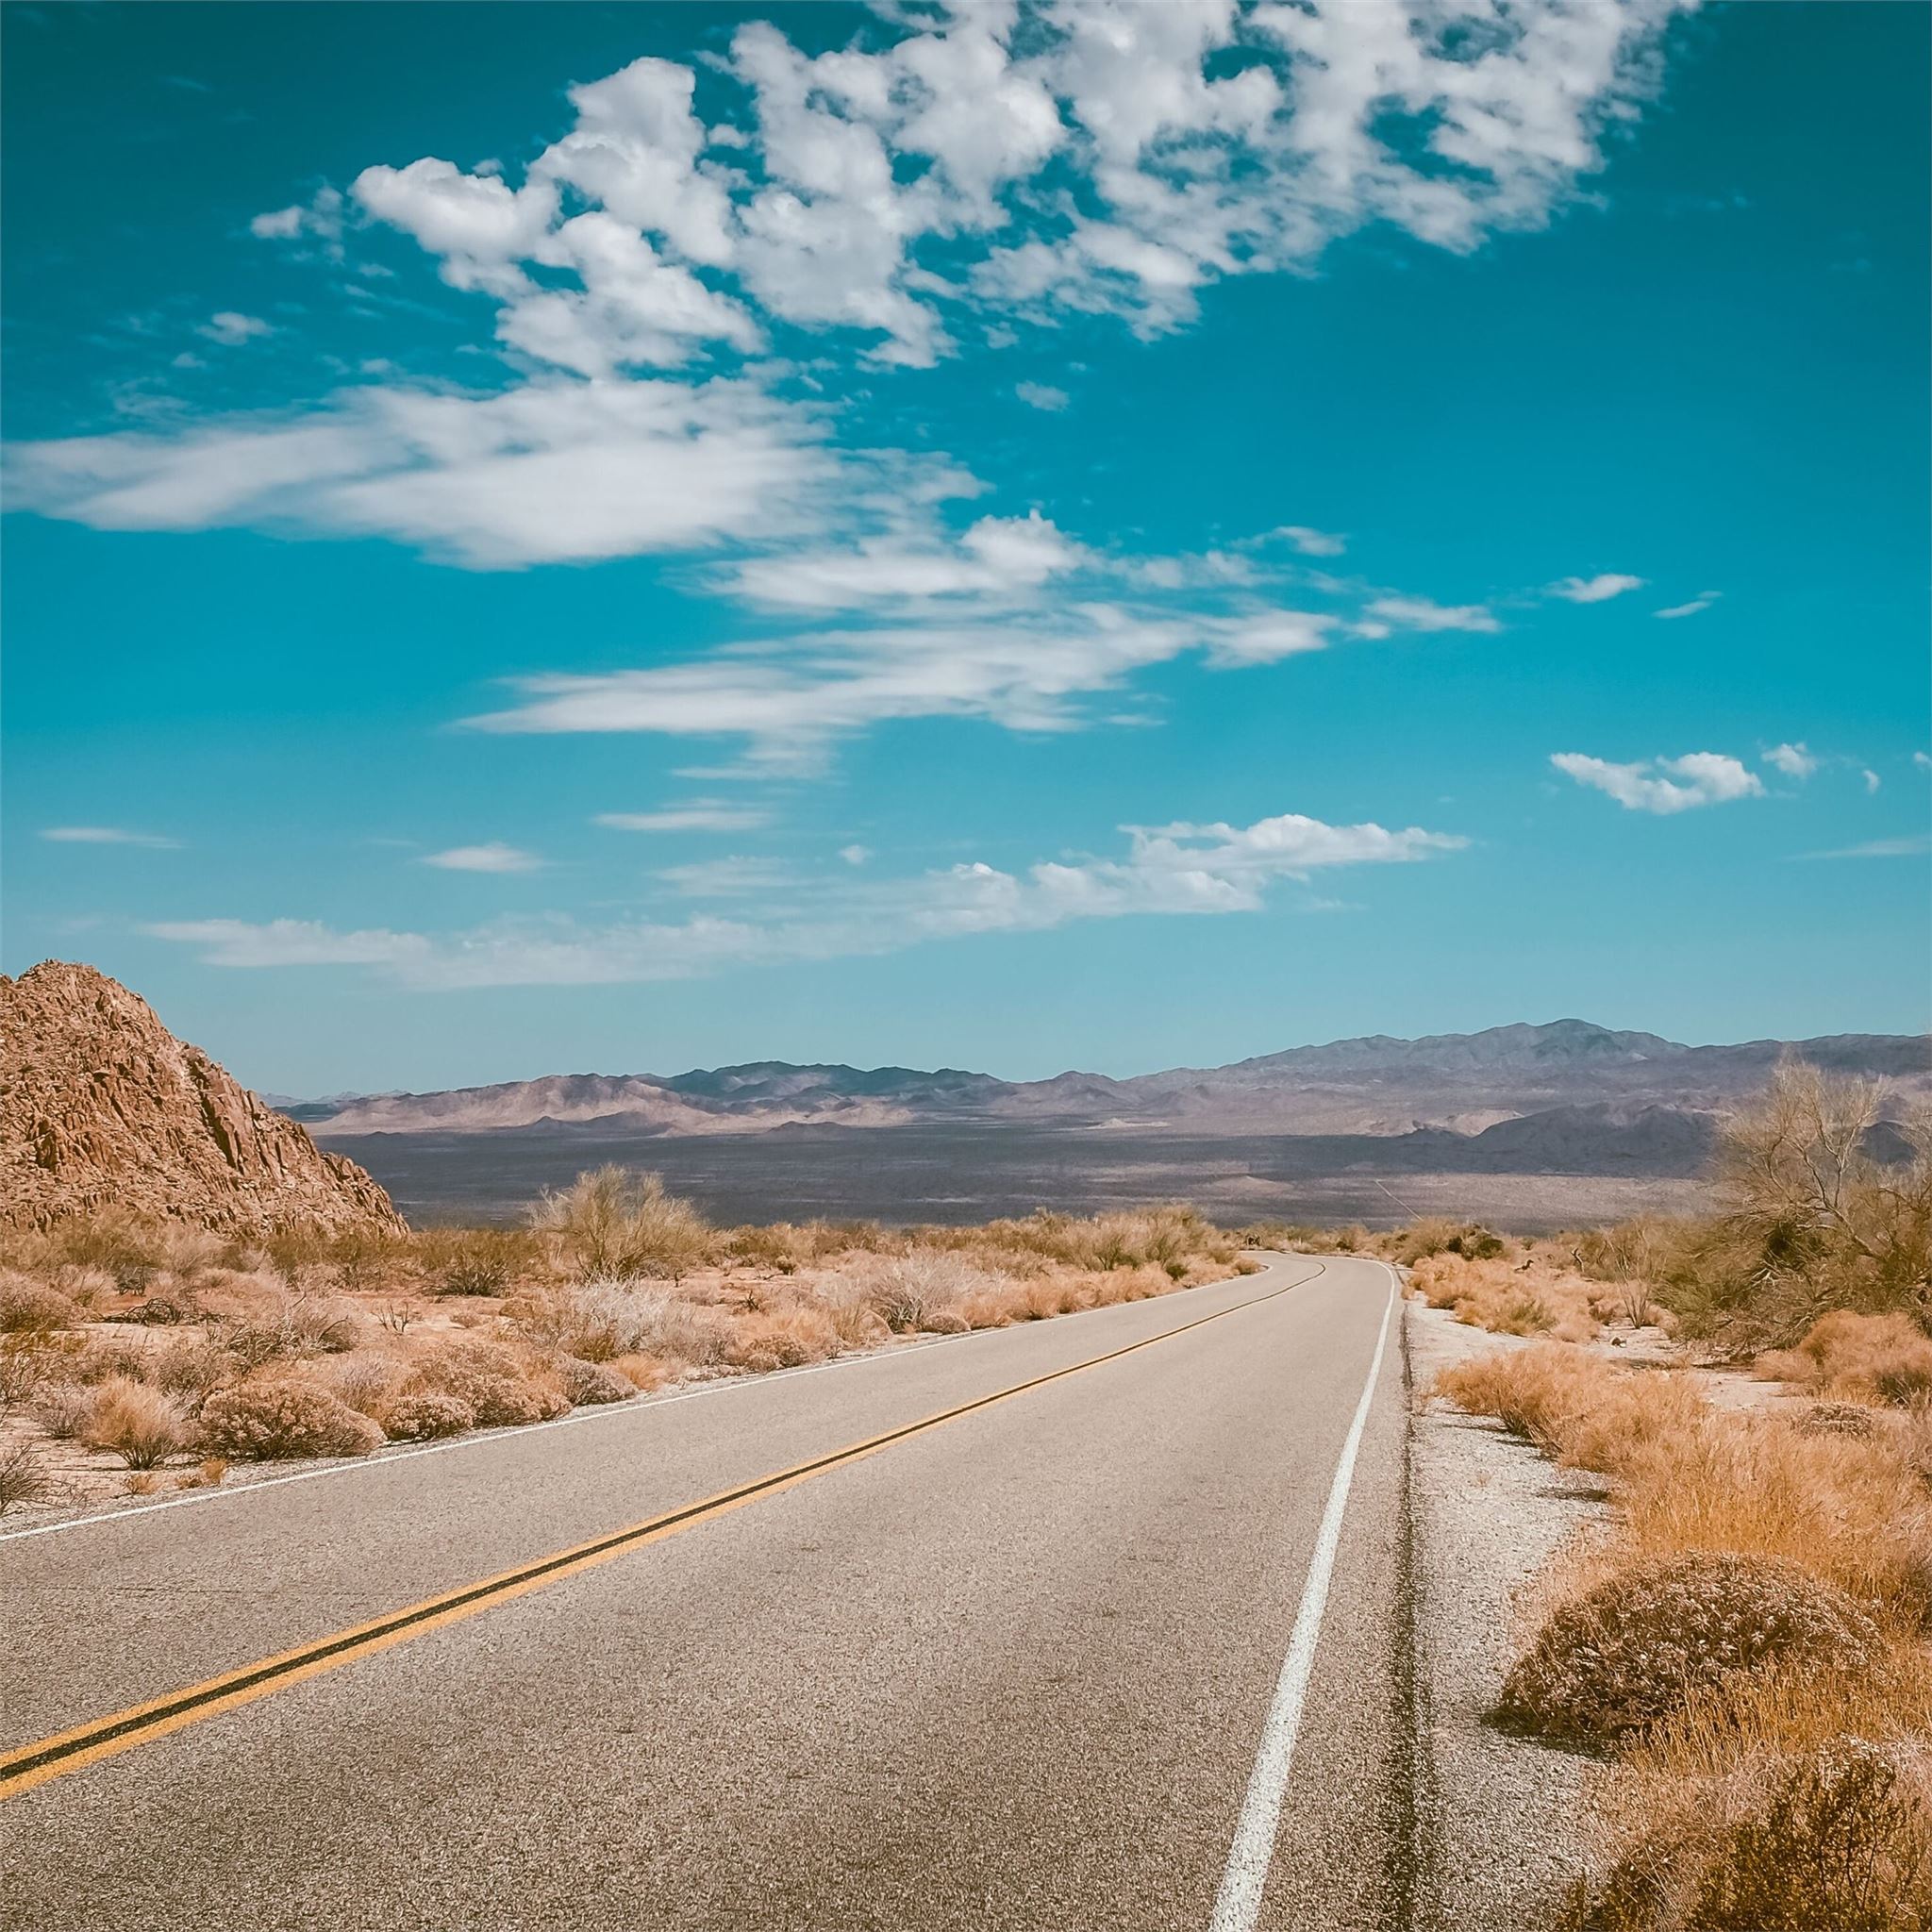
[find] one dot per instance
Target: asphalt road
(1014, 1670)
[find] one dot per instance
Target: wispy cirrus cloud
(495, 856)
(692, 815)
(108, 835)
(1910, 845)
(1702, 601)
(1664, 786)
(1182, 869)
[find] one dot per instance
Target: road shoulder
(1500, 1817)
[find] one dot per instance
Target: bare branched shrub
(60, 1409)
(277, 1419)
(24, 1477)
(912, 1290)
(140, 1424)
(615, 1222)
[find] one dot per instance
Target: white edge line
(604, 1412)
(1238, 1904)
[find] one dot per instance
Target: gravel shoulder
(1502, 1815)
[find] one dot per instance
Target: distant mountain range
(1520, 1095)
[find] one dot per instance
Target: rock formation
(101, 1106)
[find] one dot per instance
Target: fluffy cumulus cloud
(1180, 869)
(933, 177)
(1793, 760)
(1664, 785)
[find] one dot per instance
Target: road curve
(1021, 1668)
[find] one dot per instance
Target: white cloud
(1419, 613)
(854, 855)
(319, 219)
(1664, 785)
(1595, 590)
(726, 879)
(1041, 395)
(1793, 760)
(694, 815)
(1912, 845)
(1311, 543)
(494, 857)
(551, 471)
(231, 329)
(997, 557)
(1923, 760)
(108, 835)
(1182, 869)
(1873, 781)
(1702, 601)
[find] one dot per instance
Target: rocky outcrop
(101, 1106)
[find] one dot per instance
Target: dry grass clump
(1631, 1651)
(1506, 1297)
(32, 1308)
(1857, 1511)
(1858, 1358)
(277, 1419)
(1785, 1798)
(141, 1425)
(588, 1384)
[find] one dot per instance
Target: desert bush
(908, 1292)
(1839, 1419)
(495, 1383)
(777, 1247)
(787, 1338)
(26, 1363)
(60, 1409)
(425, 1415)
(614, 1222)
(1876, 1357)
(273, 1420)
(191, 1366)
(1628, 1652)
(1835, 1835)
(31, 1307)
(24, 1477)
(477, 1260)
(365, 1382)
(587, 1384)
(141, 1426)
(601, 1320)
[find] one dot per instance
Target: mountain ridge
(1377, 1084)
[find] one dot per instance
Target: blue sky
(630, 537)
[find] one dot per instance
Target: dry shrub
(1506, 1298)
(365, 1382)
(785, 1339)
(603, 1319)
(614, 1222)
(31, 1307)
(476, 1260)
(24, 1477)
(423, 1415)
(587, 1384)
(501, 1390)
(279, 1417)
(1858, 1357)
(1631, 1651)
(141, 1425)
(1530, 1390)
(61, 1408)
(1772, 1833)
(646, 1372)
(191, 1367)
(906, 1291)
(105, 1356)
(1853, 1512)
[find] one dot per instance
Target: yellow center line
(141, 1723)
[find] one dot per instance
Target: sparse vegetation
(164, 1342)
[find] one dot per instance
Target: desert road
(1097, 1622)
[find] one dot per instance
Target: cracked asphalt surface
(1008, 1672)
